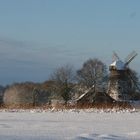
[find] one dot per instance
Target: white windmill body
(120, 85)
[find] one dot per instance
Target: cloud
(36, 55)
(33, 61)
(30, 60)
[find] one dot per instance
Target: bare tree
(18, 94)
(62, 78)
(92, 73)
(133, 77)
(27, 93)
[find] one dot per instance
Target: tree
(18, 94)
(92, 73)
(27, 93)
(2, 89)
(134, 78)
(62, 78)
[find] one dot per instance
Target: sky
(38, 36)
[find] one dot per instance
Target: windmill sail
(115, 56)
(130, 57)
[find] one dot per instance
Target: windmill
(120, 81)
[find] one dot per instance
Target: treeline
(64, 85)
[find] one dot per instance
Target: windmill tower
(120, 81)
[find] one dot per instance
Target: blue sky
(37, 36)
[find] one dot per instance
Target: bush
(25, 94)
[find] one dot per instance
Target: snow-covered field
(69, 125)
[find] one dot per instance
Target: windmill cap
(119, 65)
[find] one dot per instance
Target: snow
(119, 65)
(69, 125)
(87, 91)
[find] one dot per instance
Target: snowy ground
(69, 125)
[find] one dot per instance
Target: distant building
(120, 85)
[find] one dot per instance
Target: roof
(118, 64)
